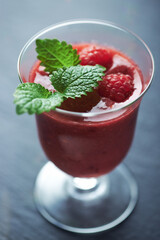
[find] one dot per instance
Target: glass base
(87, 205)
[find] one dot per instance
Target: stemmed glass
(84, 188)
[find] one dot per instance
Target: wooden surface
(21, 156)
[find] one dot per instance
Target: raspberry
(93, 55)
(118, 87)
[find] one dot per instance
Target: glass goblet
(84, 188)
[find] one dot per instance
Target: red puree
(89, 146)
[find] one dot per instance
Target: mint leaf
(54, 54)
(34, 98)
(77, 80)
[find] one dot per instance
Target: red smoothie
(94, 144)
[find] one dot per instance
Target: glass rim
(89, 21)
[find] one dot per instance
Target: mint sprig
(69, 79)
(70, 82)
(54, 54)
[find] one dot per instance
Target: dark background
(21, 156)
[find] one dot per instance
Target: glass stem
(85, 184)
(88, 188)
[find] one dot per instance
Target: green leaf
(34, 98)
(76, 81)
(54, 54)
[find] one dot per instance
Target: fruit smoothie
(95, 142)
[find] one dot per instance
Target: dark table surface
(21, 156)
